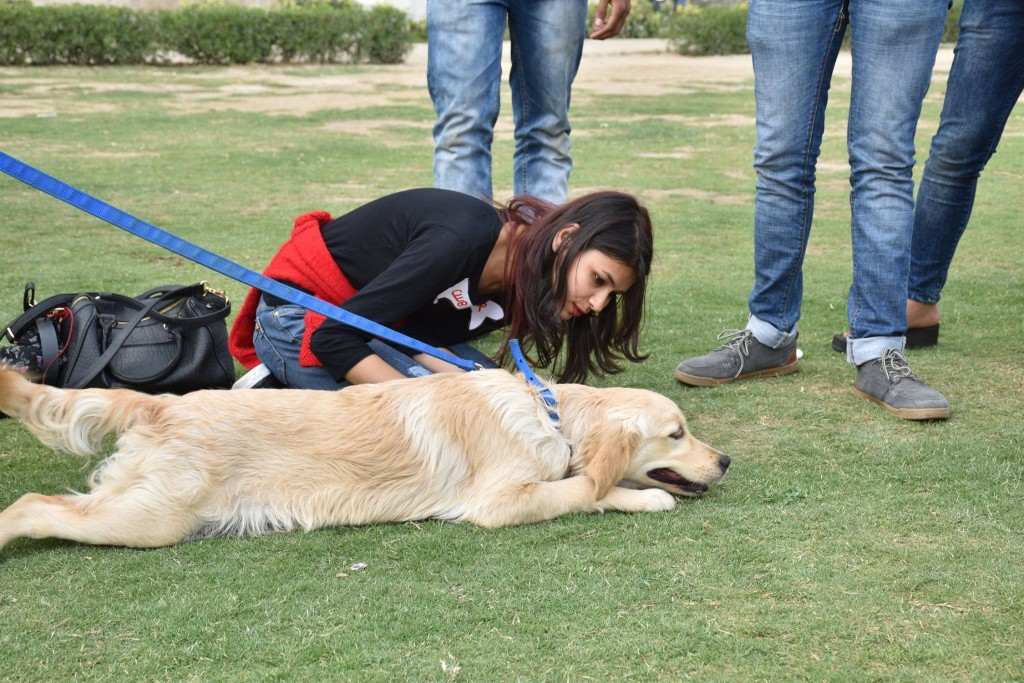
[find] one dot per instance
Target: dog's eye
(678, 434)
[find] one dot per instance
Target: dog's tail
(73, 420)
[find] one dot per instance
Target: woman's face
(594, 280)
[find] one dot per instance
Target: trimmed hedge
(326, 31)
(710, 30)
(203, 34)
(72, 34)
(712, 27)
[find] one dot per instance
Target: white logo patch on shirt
(459, 297)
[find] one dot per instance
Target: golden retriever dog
(477, 447)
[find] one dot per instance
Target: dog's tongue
(666, 475)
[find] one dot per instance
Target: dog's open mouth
(672, 478)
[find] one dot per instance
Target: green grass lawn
(844, 544)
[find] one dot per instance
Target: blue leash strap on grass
(531, 377)
(105, 212)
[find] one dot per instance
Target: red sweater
(303, 261)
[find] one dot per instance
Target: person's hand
(609, 26)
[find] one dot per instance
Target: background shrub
(316, 36)
(386, 37)
(72, 34)
(418, 30)
(308, 31)
(709, 30)
(296, 31)
(218, 34)
(17, 31)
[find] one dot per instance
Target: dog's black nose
(724, 461)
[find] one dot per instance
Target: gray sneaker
(742, 357)
(889, 382)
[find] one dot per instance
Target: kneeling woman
(443, 267)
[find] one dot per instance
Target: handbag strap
(163, 296)
(18, 325)
(168, 294)
(49, 347)
(28, 299)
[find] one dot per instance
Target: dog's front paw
(658, 500)
(633, 500)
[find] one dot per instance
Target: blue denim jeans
(278, 338)
(985, 82)
(464, 41)
(794, 45)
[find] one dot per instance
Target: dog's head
(640, 437)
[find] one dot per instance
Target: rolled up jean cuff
(860, 351)
(768, 334)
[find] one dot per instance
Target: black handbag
(170, 339)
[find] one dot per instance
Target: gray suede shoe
(742, 357)
(889, 382)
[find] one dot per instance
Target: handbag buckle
(207, 289)
(28, 299)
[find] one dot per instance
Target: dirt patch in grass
(609, 69)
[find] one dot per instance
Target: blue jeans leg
(464, 39)
(893, 48)
(547, 43)
(985, 82)
(794, 45)
(278, 339)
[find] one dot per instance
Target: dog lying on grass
(478, 447)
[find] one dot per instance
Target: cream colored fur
(476, 447)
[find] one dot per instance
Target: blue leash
(100, 209)
(524, 368)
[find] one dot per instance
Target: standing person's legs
(464, 39)
(893, 51)
(547, 43)
(794, 46)
(985, 82)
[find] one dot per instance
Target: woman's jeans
(278, 338)
(794, 45)
(984, 84)
(464, 40)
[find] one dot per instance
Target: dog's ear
(606, 453)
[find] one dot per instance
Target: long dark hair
(536, 278)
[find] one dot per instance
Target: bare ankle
(921, 315)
